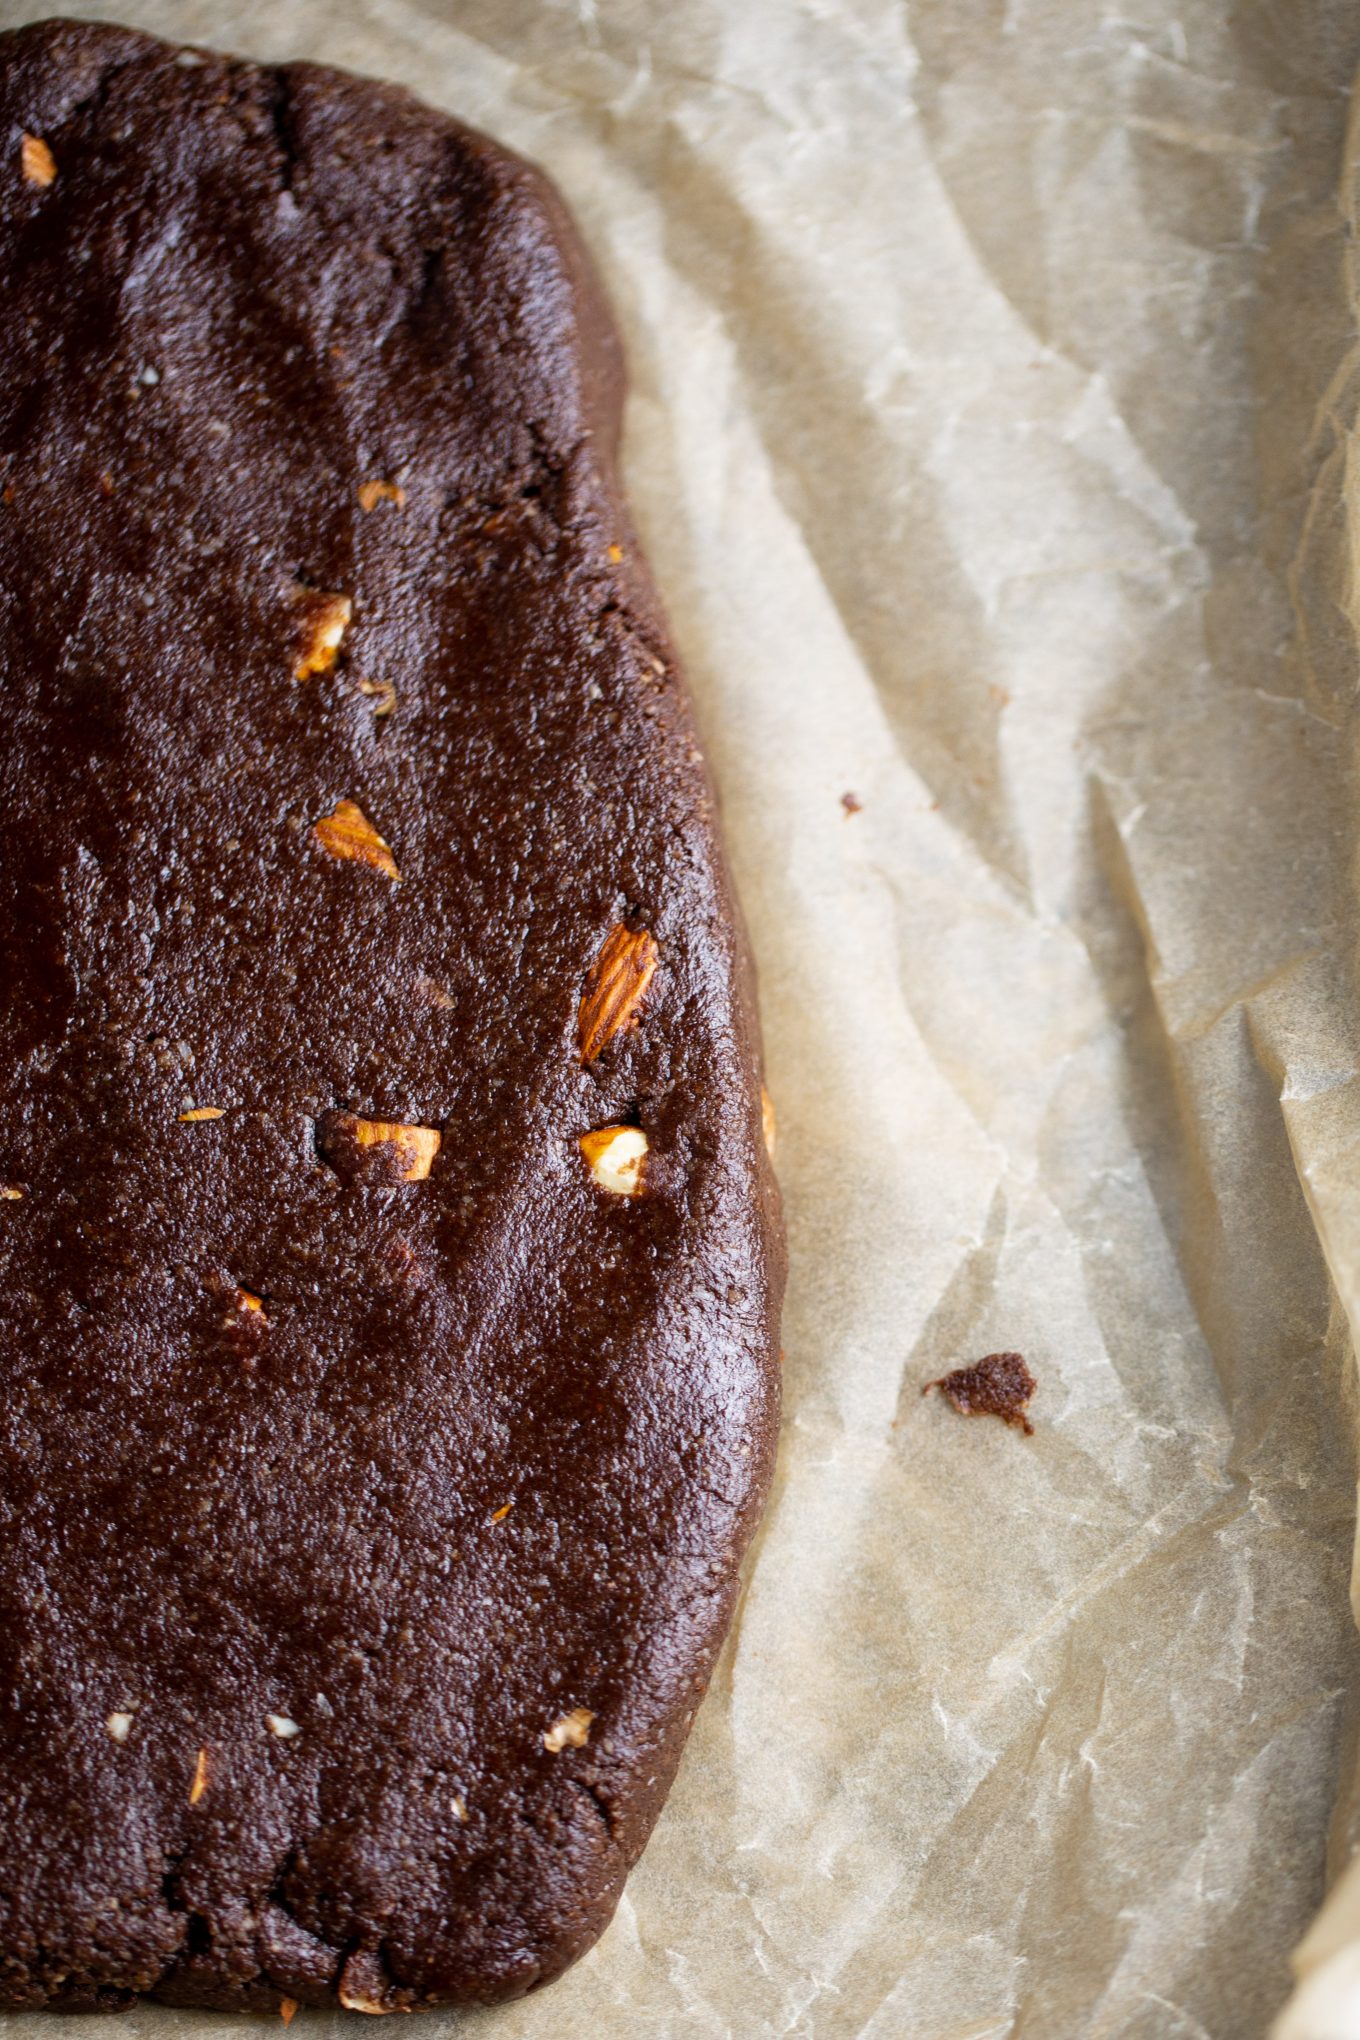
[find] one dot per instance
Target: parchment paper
(991, 437)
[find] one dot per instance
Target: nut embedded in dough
(348, 833)
(354, 1148)
(571, 1732)
(36, 160)
(614, 1156)
(372, 493)
(616, 987)
(323, 619)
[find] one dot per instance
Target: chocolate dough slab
(373, 1477)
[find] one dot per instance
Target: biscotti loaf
(391, 1263)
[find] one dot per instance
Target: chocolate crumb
(999, 1386)
(852, 803)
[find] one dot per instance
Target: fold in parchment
(1326, 1123)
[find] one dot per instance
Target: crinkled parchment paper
(992, 434)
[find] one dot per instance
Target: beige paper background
(991, 419)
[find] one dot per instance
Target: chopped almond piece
(349, 833)
(200, 1784)
(355, 2000)
(288, 2010)
(416, 1146)
(614, 1156)
(615, 988)
(119, 1725)
(10, 1192)
(36, 160)
(373, 493)
(202, 1112)
(499, 1515)
(324, 620)
(364, 1986)
(382, 693)
(571, 1732)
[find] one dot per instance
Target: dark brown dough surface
(449, 1474)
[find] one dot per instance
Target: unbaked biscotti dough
(388, 1321)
